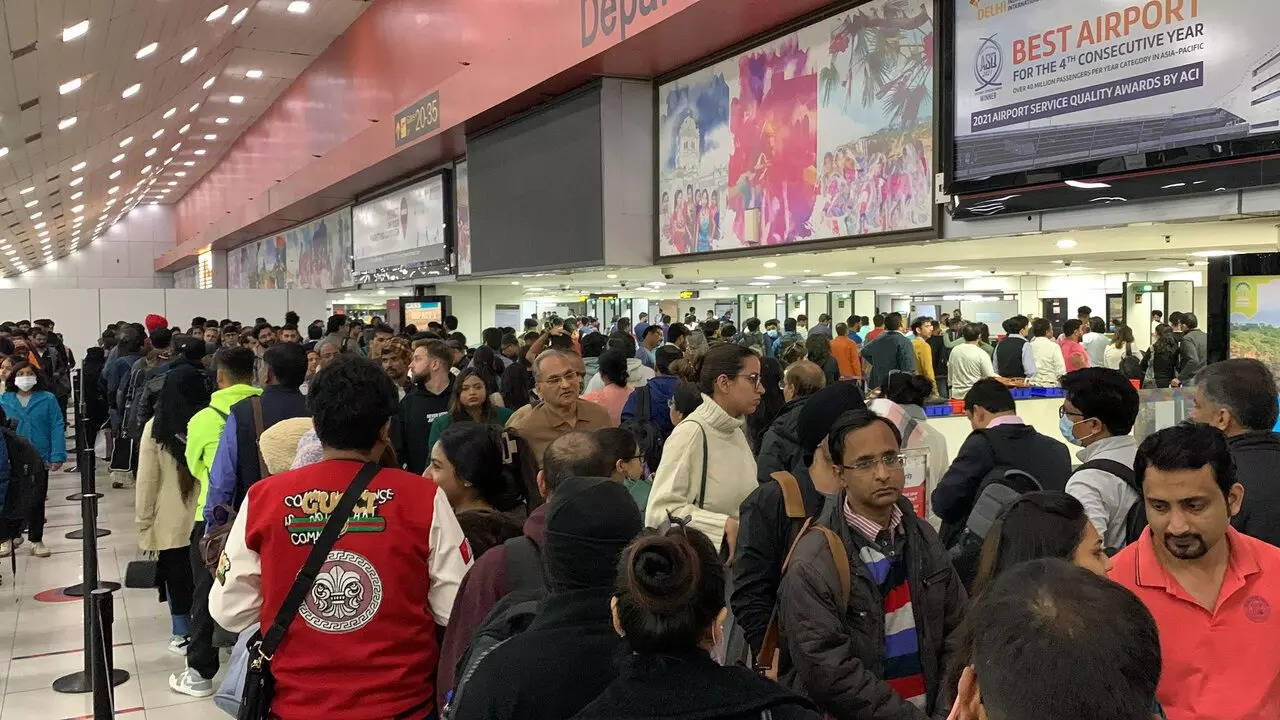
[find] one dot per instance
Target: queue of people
(548, 526)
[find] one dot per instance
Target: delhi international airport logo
(988, 64)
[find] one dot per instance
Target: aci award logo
(988, 64)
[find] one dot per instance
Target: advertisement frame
(1252, 148)
(445, 172)
(346, 207)
(893, 237)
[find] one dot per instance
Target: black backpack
(25, 466)
(1135, 521)
(1131, 365)
(509, 617)
(998, 490)
(646, 432)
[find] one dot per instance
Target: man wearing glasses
(558, 380)
(878, 654)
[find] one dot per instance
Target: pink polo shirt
(1220, 665)
(1074, 354)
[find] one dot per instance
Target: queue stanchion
(89, 524)
(101, 664)
(85, 460)
(95, 626)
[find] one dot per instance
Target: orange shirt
(1220, 665)
(845, 351)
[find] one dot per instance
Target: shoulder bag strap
(256, 403)
(643, 411)
(702, 488)
(319, 553)
(767, 658)
(840, 557)
(792, 500)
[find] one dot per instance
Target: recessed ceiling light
(108, 203)
(31, 203)
(131, 90)
(78, 166)
(769, 277)
(239, 16)
(299, 6)
(235, 99)
(947, 267)
(146, 170)
(183, 130)
(1081, 185)
(118, 158)
(172, 183)
(77, 195)
(157, 133)
(189, 163)
(146, 50)
(186, 56)
(75, 31)
(1066, 243)
(1214, 253)
(211, 137)
(168, 160)
(253, 74)
(840, 273)
(222, 120)
(114, 175)
(758, 284)
(169, 113)
(209, 83)
(149, 153)
(37, 215)
(4, 151)
(76, 181)
(183, 173)
(217, 13)
(113, 189)
(66, 122)
(38, 225)
(27, 190)
(174, 147)
(69, 86)
(126, 141)
(200, 151)
(770, 265)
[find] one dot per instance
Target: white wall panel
(131, 304)
(310, 305)
(74, 313)
(16, 304)
(183, 304)
(245, 305)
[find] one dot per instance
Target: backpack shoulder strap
(524, 565)
(792, 500)
(255, 402)
(643, 411)
(767, 658)
(1119, 469)
(840, 557)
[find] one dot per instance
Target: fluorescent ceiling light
(769, 277)
(209, 83)
(32, 203)
(69, 86)
(126, 141)
(239, 16)
(840, 273)
(186, 56)
(707, 281)
(131, 90)
(758, 284)
(114, 175)
(113, 189)
(200, 151)
(222, 120)
(183, 130)
(75, 31)
(210, 137)
(4, 151)
(172, 183)
(146, 170)
(174, 147)
(149, 153)
(76, 181)
(1170, 269)
(1066, 243)
(812, 282)
(235, 99)
(299, 6)
(770, 265)
(1082, 185)
(146, 50)
(168, 160)
(1214, 253)
(190, 163)
(880, 277)
(27, 190)
(947, 267)
(37, 215)
(253, 74)
(1171, 186)
(78, 166)
(117, 158)
(169, 113)
(157, 133)
(39, 225)
(217, 13)
(182, 173)
(67, 122)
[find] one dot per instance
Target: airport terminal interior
(571, 283)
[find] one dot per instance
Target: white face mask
(25, 382)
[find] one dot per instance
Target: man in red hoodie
(363, 646)
(575, 454)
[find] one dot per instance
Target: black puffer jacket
(780, 448)
(692, 687)
(837, 653)
(1257, 455)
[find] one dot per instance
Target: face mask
(1065, 426)
(25, 383)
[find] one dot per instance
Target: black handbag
(259, 685)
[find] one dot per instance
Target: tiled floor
(42, 641)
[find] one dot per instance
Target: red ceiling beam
(330, 135)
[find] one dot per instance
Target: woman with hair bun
(707, 467)
(668, 607)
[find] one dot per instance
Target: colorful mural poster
(314, 255)
(825, 132)
(462, 214)
(1255, 319)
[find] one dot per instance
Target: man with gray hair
(557, 380)
(1238, 397)
(576, 454)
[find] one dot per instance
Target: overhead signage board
(420, 118)
(405, 226)
(1043, 84)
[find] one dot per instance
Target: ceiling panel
(166, 155)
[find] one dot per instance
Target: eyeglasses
(753, 378)
(1063, 412)
(569, 377)
(894, 461)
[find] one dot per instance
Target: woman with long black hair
(485, 492)
(166, 493)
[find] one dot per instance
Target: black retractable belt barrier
(87, 476)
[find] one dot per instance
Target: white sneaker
(189, 682)
(178, 644)
(39, 550)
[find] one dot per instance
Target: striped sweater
(880, 550)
